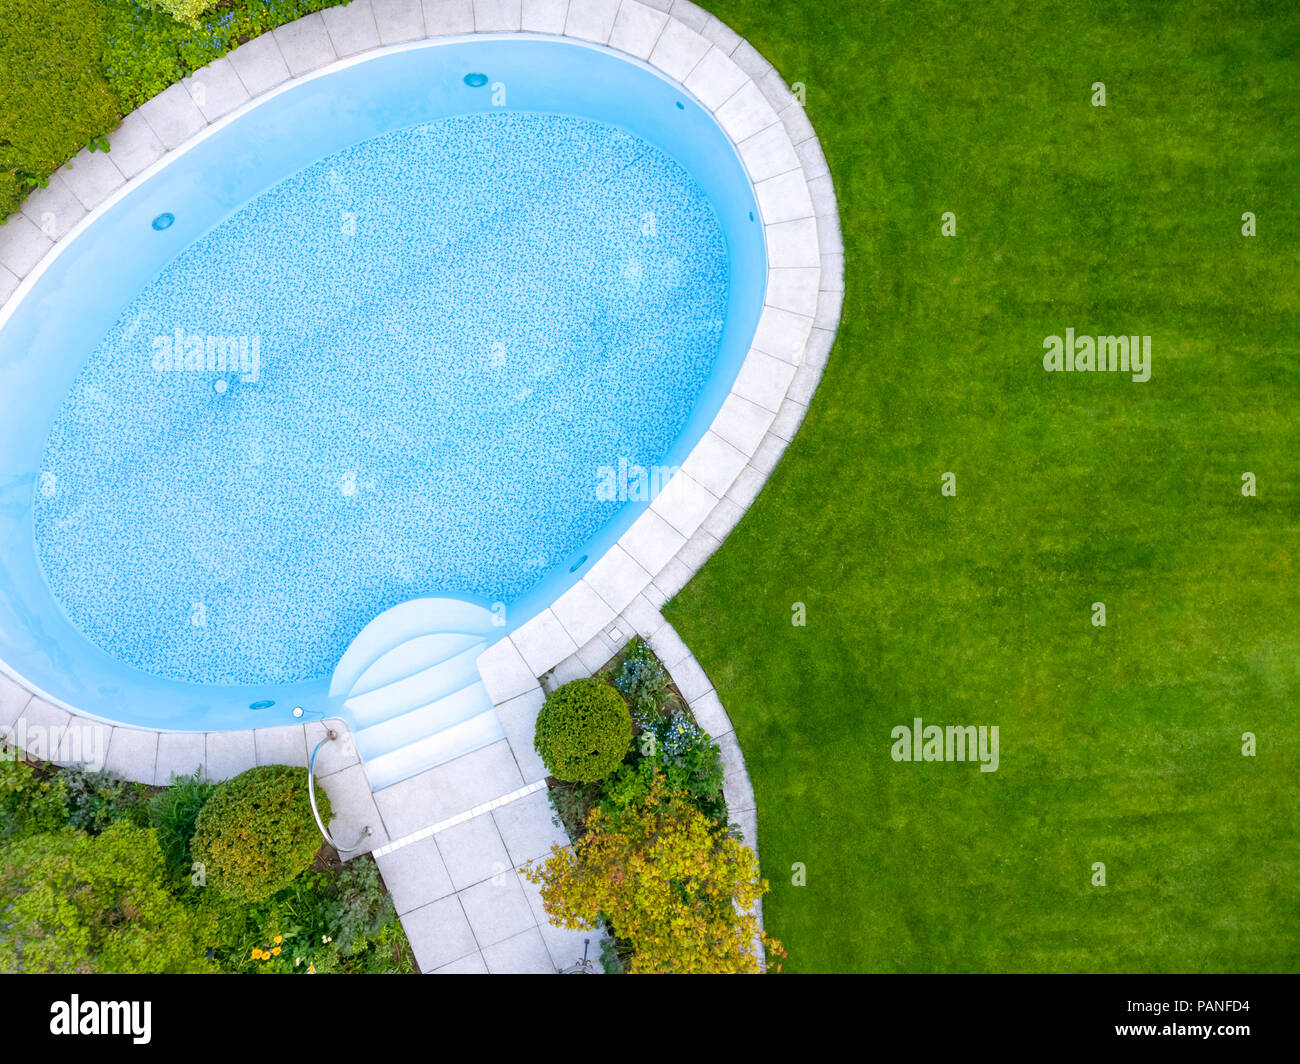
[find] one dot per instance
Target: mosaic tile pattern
(455, 327)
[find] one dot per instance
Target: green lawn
(1119, 744)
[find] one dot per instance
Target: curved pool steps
(415, 664)
(406, 623)
(410, 685)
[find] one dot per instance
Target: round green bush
(255, 835)
(583, 731)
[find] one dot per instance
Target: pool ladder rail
(366, 832)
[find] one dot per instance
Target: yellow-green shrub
(583, 731)
(255, 835)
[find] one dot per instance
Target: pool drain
(163, 221)
(475, 81)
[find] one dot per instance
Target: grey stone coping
(718, 481)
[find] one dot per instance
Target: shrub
(173, 814)
(583, 730)
(77, 903)
(30, 803)
(672, 883)
(255, 834)
(53, 97)
(187, 11)
(686, 757)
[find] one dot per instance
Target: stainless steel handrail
(330, 735)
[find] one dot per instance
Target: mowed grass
(1119, 744)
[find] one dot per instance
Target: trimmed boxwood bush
(255, 834)
(583, 731)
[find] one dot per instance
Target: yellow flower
(279, 939)
(276, 951)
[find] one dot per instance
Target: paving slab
(54, 209)
(134, 145)
(470, 964)
(439, 933)
(473, 851)
(398, 20)
(522, 954)
(544, 16)
(259, 64)
(133, 754)
(497, 909)
(286, 745)
(216, 89)
(173, 116)
(637, 28)
(84, 744)
(22, 245)
(92, 176)
(445, 17)
(229, 753)
(13, 700)
(497, 16)
(352, 28)
(336, 754)
(591, 20)
(518, 718)
(305, 43)
(415, 875)
(179, 754)
(528, 828)
(582, 613)
(450, 789)
(565, 945)
(40, 727)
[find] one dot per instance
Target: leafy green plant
(53, 96)
(187, 11)
(173, 814)
(31, 803)
(77, 903)
(362, 909)
(644, 681)
(670, 881)
(97, 799)
(583, 730)
(255, 834)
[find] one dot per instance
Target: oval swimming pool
(396, 331)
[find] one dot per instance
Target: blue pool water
(442, 308)
(453, 329)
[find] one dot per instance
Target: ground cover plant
(1119, 744)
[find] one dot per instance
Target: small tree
(668, 879)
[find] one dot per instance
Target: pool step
(401, 624)
(409, 685)
(431, 683)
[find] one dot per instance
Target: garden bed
(102, 875)
(659, 809)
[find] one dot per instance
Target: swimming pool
(386, 334)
